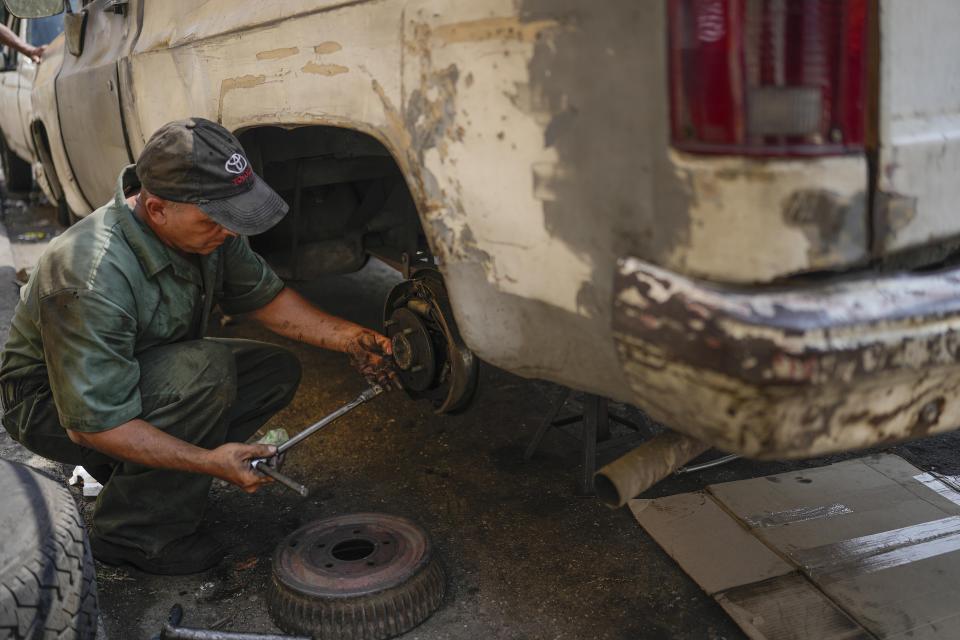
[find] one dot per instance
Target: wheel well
(41, 143)
(348, 200)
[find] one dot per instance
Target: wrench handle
(264, 467)
(367, 395)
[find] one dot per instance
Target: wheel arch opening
(349, 199)
(41, 144)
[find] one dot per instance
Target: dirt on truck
(735, 214)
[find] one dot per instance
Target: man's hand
(291, 316)
(231, 462)
(140, 442)
(370, 354)
(10, 39)
(36, 53)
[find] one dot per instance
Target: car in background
(739, 215)
(17, 150)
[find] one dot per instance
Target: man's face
(187, 228)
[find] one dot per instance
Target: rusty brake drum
(366, 575)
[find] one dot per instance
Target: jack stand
(594, 435)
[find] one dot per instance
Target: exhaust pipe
(629, 476)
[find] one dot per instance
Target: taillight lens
(768, 77)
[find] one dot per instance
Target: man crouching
(106, 365)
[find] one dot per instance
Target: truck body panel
(919, 152)
(534, 138)
(15, 85)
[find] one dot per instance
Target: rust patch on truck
(430, 122)
(429, 113)
(431, 110)
(782, 338)
(835, 226)
(796, 373)
(278, 54)
(425, 121)
(424, 184)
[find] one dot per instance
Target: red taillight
(768, 77)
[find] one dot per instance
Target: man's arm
(140, 442)
(290, 315)
(10, 39)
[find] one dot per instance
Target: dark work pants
(207, 392)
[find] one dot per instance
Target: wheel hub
(413, 350)
(402, 352)
(432, 359)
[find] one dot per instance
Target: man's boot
(192, 554)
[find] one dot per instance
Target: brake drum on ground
(371, 576)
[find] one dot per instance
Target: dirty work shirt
(106, 291)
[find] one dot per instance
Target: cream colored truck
(739, 215)
(17, 151)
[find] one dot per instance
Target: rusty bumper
(792, 372)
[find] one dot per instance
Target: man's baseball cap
(197, 161)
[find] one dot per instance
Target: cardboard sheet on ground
(868, 548)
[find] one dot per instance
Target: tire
(359, 604)
(65, 216)
(47, 576)
(17, 173)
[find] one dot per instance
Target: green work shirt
(107, 290)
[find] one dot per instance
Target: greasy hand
(231, 462)
(370, 355)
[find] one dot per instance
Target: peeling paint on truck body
(793, 372)
(534, 138)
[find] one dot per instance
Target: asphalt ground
(525, 557)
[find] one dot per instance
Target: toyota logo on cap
(237, 164)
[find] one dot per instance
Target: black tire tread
(17, 173)
(64, 215)
(53, 594)
(377, 616)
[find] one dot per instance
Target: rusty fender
(645, 466)
(793, 372)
